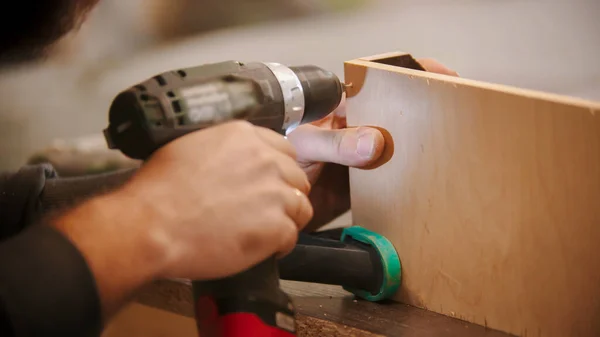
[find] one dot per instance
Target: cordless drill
(167, 106)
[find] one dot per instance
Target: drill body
(170, 105)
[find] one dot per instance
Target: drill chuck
(167, 106)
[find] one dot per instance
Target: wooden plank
(389, 319)
(491, 195)
(314, 327)
(329, 309)
(138, 320)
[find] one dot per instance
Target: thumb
(354, 147)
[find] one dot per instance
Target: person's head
(29, 27)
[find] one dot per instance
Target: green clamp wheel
(390, 261)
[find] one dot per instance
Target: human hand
(207, 205)
(326, 148)
(228, 197)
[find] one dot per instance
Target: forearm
(116, 235)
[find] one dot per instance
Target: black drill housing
(167, 106)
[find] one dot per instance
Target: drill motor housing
(172, 104)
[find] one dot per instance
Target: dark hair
(29, 27)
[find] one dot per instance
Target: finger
(277, 141)
(287, 238)
(292, 174)
(288, 167)
(354, 147)
(434, 66)
(298, 208)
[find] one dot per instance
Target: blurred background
(548, 45)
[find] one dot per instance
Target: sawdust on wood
(314, 327)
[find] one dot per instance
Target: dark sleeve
(46, 286)
(19, 197)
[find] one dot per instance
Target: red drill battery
(250, 304)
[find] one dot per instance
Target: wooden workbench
(165, 308)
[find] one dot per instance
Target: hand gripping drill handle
(175, 103)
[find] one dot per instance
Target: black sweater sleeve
(46, 287)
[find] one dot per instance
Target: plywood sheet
(491, 196)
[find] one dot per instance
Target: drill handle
(248, 304)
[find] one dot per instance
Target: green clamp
(392, 270)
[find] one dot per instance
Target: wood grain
(138, 320)
(314, 327)
(143, 321)
(389, 319)
(491, 197)
(324, 309)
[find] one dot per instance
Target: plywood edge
(384, 56)
(355, 74)
(354, 77)
(356, 70)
